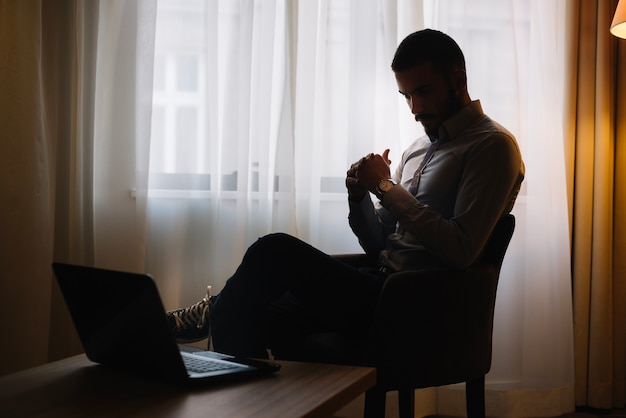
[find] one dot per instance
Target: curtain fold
(619, 231)
(594, 143)
(70, 104)
(122, 114)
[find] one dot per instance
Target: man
(438, 209)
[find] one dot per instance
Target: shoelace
(195, 314)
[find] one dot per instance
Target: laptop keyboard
(205, 365)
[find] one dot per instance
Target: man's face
(431, 97)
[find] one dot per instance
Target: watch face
(385, 185)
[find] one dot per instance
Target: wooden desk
(75, 387)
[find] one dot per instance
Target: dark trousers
(330, 295)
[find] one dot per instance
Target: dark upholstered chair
(431, 328)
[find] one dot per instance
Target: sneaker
(191, 324)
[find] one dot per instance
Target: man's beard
(452, 106)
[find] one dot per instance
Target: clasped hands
(364, 175)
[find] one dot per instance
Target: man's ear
(459, 80)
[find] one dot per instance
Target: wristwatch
(383, 187)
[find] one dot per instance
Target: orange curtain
(26, 203)
(596, 160)
(45, 192)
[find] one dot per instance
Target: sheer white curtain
(222, 145)
(258, 109)
(122, 112)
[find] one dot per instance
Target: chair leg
(475, 397)
(406, 403)
(375, 403)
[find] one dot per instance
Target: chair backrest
(434, 327)
(498, 242)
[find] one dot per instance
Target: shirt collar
(458, 122)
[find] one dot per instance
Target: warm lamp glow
(618, 27)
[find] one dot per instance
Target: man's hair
(425, 46)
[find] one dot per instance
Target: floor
(582, 413)
(355, 410)
(616, 413)
(590, 413)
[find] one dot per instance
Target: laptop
(121, 323)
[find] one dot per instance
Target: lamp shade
(618, 26)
